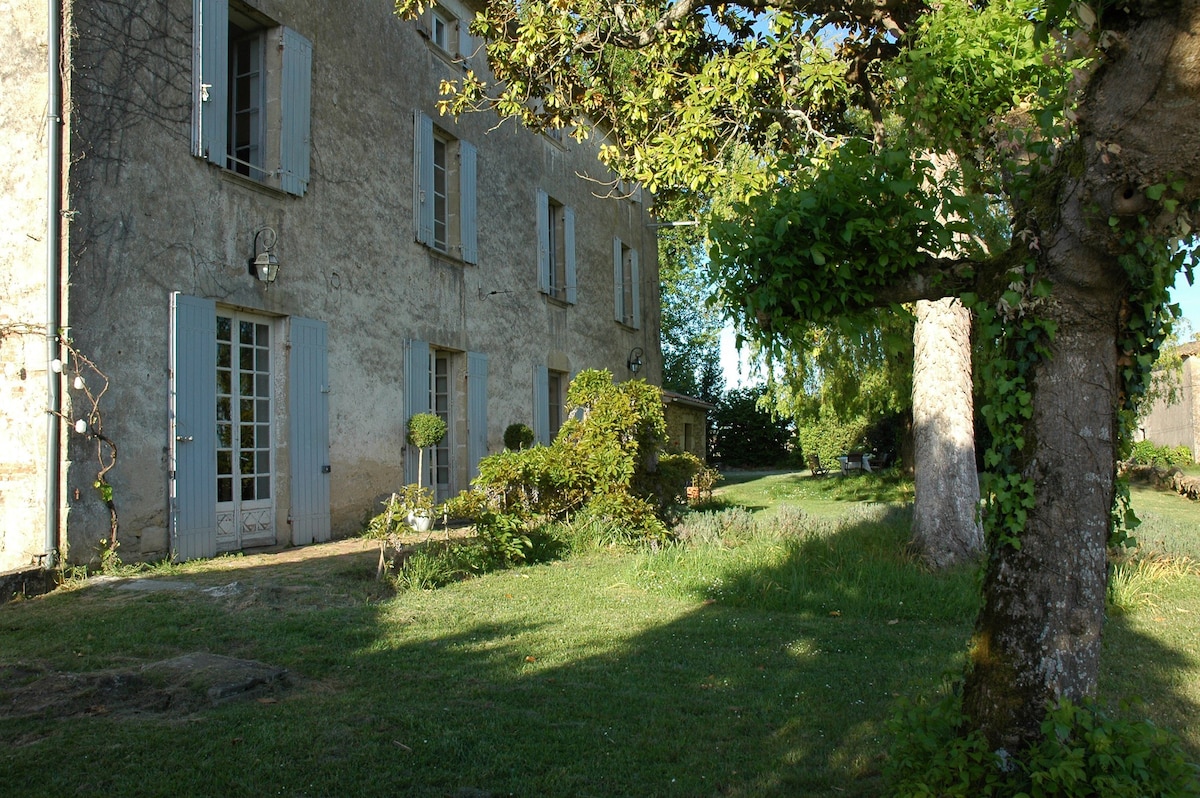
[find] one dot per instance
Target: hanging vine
(88, 385)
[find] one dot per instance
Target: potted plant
(424, 430)
(415, 503)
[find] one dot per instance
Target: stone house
(1178, 423)
(687, 423)
(266, 250)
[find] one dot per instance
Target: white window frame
(445, 204)
(443, 29)
(557, 274)
(627, 304)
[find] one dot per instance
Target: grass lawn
(762, 657)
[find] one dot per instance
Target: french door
(440, 404)
(245, 464)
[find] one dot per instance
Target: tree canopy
(868, 144)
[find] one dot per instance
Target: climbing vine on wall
(87, 385)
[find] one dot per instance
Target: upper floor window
(447, 27)
(627, 306)
(246, 117)
(556, 248)
(444, 201)
(443, 30)
(251, 99)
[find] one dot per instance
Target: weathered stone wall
(147, 219)
(1178, 423)
(679, 417)
(23, 392)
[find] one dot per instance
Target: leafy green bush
(1180, 456)
(518, 436)
(604, 464)
(666, 486)
(1083, 752)
(1151, 454)
(830, 437)
(503, 535)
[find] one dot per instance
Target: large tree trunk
(1037, 638)
(946, 527)
(1038, 634)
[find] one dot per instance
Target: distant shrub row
(1151, 454)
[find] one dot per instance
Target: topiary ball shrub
(425, 430)
(518, 436)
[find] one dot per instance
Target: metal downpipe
(54, 192)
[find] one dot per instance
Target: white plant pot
(420, 522)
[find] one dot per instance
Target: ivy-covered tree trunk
(1037, 638)
(946, 528)
(1091, 233)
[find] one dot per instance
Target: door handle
(184, 438)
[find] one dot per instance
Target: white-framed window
(556, 248)
(252, 95)
(443, 29)
(447, 28)
(549, 402)
(453, 385)
(556, 394)
(627, 306)
(444, 200)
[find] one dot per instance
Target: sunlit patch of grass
(1135, 581)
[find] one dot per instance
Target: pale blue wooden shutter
(466, 45)
(193, 427)
(295, 104)
(308, 424)
(477, 411)
(467, 198)
(635, 291)
(618, 283)
(423, 177)
(569, 248)
(541, 404)
(416, 396)
(543, 241)
(210, 79)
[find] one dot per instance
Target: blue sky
(1188, 299)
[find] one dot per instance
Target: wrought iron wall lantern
(635, 359)
(263, 264)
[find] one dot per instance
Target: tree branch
(888, 15)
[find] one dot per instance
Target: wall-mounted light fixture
(635, 359)
(263, 264)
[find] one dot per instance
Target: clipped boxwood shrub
(425, 430)
(518, 436)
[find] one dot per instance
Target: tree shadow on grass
(561, 680)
